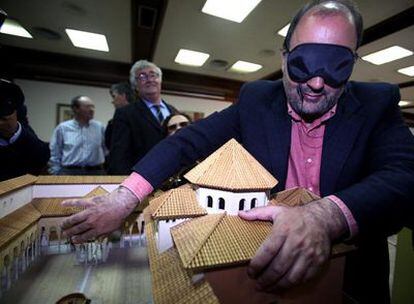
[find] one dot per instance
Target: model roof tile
(50, 207)
(16, 183)
(233, 168)
(63, 179)
(176, 203)
(230, 240)
(171, 283)
(293, 197)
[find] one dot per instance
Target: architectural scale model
(31, 215)
(194, 229)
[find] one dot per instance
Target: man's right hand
(103, 215)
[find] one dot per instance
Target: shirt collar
(150, 105)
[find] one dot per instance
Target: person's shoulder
(96, 123)
(367, 90)
(129, 108)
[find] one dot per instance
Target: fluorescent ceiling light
(386, 55)
(88, 40)
(283, 32)
(404, 103)
(409, 71)
(233, 10)
(188, 57)
(12, 27)
(245, 67)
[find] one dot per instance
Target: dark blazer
(367, 161)
(135, 131)
(28, 154)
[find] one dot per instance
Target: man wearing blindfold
(345, 141)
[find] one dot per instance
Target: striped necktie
(160, 117)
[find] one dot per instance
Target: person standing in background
(122, 95)
(78, 145)
(21, 151)
(137, 127)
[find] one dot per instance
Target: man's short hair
(75, 102)
(140, 65)
(123, 88)
(345, 6)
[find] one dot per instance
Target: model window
(241, 204)
(221, 203)
(209, 201)
(253, 203)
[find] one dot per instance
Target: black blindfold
(334, 63)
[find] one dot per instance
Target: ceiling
(181, 24)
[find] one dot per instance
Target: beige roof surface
(17, 221)
(171, 283)
(232, 168)
(50, 207)
(176, 203)
(16, 183)
(293, 197)
(218, 240)
(66, 179)
(97, 191)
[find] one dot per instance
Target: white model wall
(231, 200)
(42, 98)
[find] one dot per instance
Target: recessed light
(245, 67)
(88, 40)
(233, 10)
(193, 58)
(404, 103)
(283, 32)
(12, 27)
(409, 71)
(387, 55)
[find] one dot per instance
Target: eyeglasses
(177, 125)
(145, 77)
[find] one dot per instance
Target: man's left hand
(299, 244)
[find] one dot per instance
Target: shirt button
(309, 160)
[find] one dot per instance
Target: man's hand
(299, 244)
(8, 125)
(103, 215)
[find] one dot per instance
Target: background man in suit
(343, 140)
(137, 127)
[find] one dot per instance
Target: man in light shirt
(77, 146)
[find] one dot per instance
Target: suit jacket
(135, 132)
(367, 161)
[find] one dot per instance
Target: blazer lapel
(340, 134)
(147, 114)
(278, 126)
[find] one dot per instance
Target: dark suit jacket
(367, 161)
(28, 154)
(135, 132)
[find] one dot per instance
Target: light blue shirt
(163, 107)
(73, 144)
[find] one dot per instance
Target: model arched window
(241, 204)
(221, 203)
(253, 203)
(209, 201)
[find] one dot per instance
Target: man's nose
(316, 83)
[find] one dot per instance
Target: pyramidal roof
(218, 240)
(180, 202)
(293, 197)
(232, 168)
